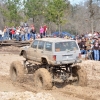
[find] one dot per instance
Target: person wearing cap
(96, 48)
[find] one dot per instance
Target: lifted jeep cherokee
(51, 61)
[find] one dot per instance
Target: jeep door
(40, 50)
(32, 51)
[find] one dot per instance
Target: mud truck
(51, 61)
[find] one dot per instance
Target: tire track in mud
(84, 93)
(80, 96)
(69, 91)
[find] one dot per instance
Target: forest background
(58, 15)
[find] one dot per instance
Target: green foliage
(56, 10)
(33, 8)
(11, 13)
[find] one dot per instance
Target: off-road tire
(16, 71)
(24, 54)
(42, 79)
(82, 76)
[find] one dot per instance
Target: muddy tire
(24, 54)
(82, 76)
(42, 79)
(16, 71)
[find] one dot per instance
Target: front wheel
(24, 54)
(16, 71)
(42, 79)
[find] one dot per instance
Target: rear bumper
(65, 62)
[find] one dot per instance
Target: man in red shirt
(12, 32)
(45, 30)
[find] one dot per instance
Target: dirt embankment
(26, 91)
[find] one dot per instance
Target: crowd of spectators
(89, 43)
(22, 33)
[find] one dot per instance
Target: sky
(76, 1)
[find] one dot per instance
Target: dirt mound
(93, 72)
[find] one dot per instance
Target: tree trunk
(92, 25)
(59, 29)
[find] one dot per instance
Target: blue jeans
(22, 37)
(0, 37)
(29, 36)
(83, 51)
(6, 36)
(96, 54)
(12, 37)
(17, 37)
(33, 36)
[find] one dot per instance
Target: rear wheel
(42, 79)
(16, 71)
(81, 75)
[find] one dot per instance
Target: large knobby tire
(43, 79)
(82, 76)
(24, 54)
(16, 71)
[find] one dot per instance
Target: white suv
(54, 51)
(51, 60)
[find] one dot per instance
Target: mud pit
(26, 91)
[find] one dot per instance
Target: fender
(46, 59)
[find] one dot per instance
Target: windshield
(66, 46)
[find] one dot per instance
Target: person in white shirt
(17, 33)
(1, 35)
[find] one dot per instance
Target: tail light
(54, 57)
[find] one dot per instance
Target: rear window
(64, 46)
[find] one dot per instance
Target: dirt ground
(26, 91)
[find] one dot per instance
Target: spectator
(33, 32)
(5, 33)
(88, 49)
(96, 48)
(82, 46)
(22, 35)
(45, 30)
(26, 32)
(12, 32)
(41, 31)
(1, 35)
(17, 33)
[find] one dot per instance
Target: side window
(34, 44)
(41, 45)
(48, 46)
